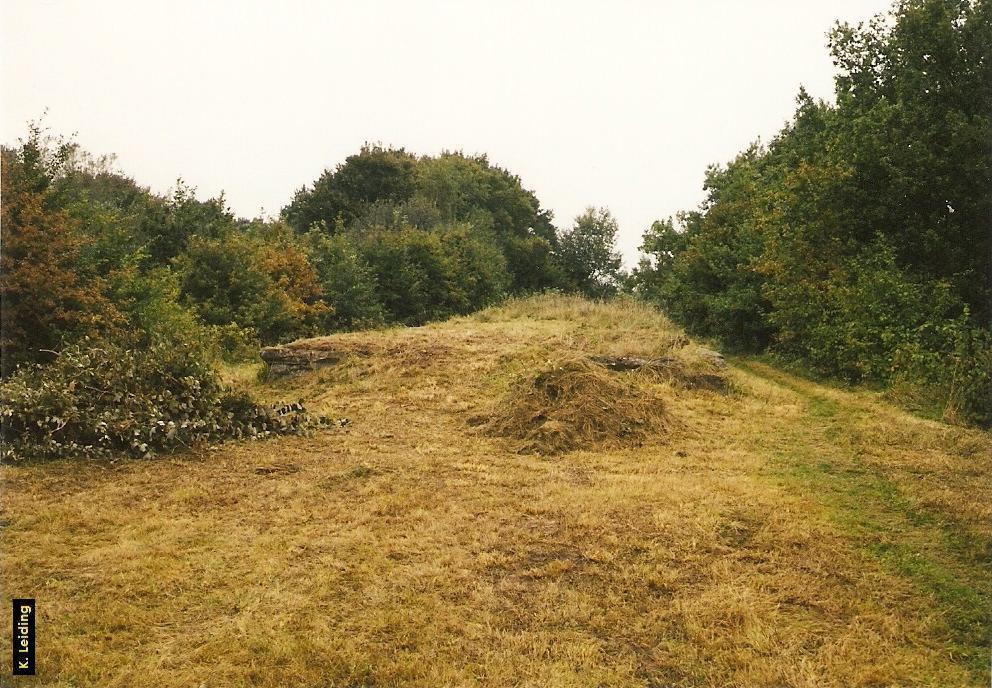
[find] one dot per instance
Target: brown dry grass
(574, 403)
(787, 535)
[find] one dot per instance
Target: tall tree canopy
(859, 238)
(383, 188)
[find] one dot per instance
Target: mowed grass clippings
(770, 541)
(573, 403)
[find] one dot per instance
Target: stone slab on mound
(710, 375)
(289, 360)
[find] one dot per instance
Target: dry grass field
(646, 531)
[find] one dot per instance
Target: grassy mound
(577, 404)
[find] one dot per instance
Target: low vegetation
(854, 244)
(118, 303)
(541, 479)
(384, 238)
(109, 401)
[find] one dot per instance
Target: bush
(531, 262)
(100, 399)
(851, 323)
(958, 379)
(232, 343)
(347, 283)
(149, 302)
(240, 279)
(46, 298)
(969, 386)
(478, 269)
(857, 240)
(413, 276)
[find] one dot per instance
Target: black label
(23, 637)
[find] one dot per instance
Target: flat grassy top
(785, 534)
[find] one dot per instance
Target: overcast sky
(616, 104)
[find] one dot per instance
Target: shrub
(149, 302)
(851, 323)
(414, 276)
(239, 279)
(478, 268)
(46, 299)
(100, 399)
(232, 343)
(969, 393)
(347, 283)
(530, 260)
(957, 379)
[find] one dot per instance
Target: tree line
(859, 240)
(384, 237)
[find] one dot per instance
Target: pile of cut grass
(577, 404)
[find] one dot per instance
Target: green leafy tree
(169, 226)
(588, 255)
(913, 121)
(413, 274)
(858, 240)
(389, 189)
(239, 280)
(348, 285)
(531, 263)
(479, 270)
(342, 196)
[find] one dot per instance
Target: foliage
(342, 196)
(533, 264)
(411, 273)
(100, 399)
(149, 302)
(110, 283)
(588, 254)
(471, 189)
(480, 275)
(168, 226)
(347, 283)
(45, 299)
(240, 279)
(858, 240)
(382, 188)
(110, 212)
(429, 275)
